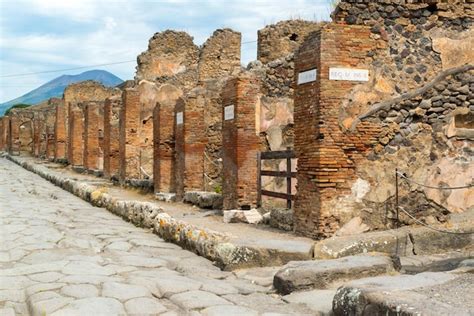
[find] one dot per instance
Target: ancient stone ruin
(386, 85)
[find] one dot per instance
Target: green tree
(17, 106)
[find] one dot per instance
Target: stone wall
(220, 55)
(21, 131)
(170, 54)
(283, 38)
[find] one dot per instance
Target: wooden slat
(282, 174)
(284, 154)
(277, 195)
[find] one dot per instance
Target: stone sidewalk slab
(321, 274)
(442, 293)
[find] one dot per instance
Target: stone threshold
(227, 252)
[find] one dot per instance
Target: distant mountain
(55, 87)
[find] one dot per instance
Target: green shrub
(17, 106)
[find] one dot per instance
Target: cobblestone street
(61, 256)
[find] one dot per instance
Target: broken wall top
(352, 11)
(88, 91)
(220, 55)
(169, 53)
(283, 38)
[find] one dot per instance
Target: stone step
(405, 241)
(324, 274)
(428, 293)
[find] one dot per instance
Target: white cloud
(115, 30)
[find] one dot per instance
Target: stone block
(321, 274)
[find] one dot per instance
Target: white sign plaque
(348, 74)
(307, 76)
(229, 112)
(179, 118)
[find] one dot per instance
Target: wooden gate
(288, 174)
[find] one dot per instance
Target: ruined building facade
(386, 85)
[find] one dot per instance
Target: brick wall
(128, 131)
(93, 134)
(326, 155)
(180, 155)
(112, 109)
(240, 143)
(3, 129)
(76, 136)
(60, 132)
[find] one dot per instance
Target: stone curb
(206, 243)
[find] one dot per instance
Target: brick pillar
(128, 132)
(112, 109)
(240, 142)
(93, 123)
(179, 136)
(50, 143)
(2, 133)
(163, 147)
(194, 144)
(37, 134)
(60, 132)
(14, 135)
(76, 136)
(326, 154)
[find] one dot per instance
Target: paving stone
(144, 306)
(48, 306)
(12, 295)
(197, 299)
(36, 268)
(218, 287)
(41, 287)
(42, 296)
(92, 279)
(13, 282)
(319, 274)
(92, 306)
(123, 292)
(228, 310)
(261, 276)
(86, 268)
(8, 311)
(320, 301)
(142, 261)
(80, 290)
(173, 284)
(119, 245)
(45, 277)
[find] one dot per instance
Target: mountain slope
(55, 87)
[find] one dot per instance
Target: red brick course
(128, 132)
(327, 155)
(93, 135)
(240, 143)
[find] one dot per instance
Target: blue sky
(43, 35)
